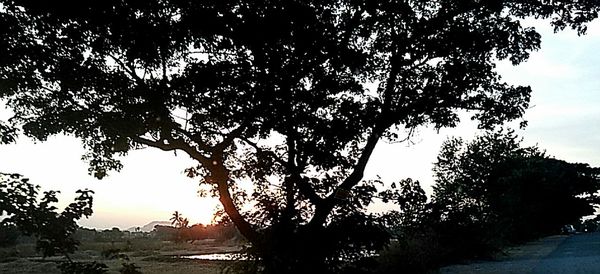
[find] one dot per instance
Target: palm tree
(184, 223)
(176, 219)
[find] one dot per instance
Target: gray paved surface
(577, 254)
(556, 254)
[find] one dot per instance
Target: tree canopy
(489, 193)
(38, 216)
(520, 190)
(290, 95)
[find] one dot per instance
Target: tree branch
(201, 144)
(309, 192)
(220, 176)
(229, 138)
(292, 180)
(260, 150)
(128, 68)
(174, 144)
(324, 209)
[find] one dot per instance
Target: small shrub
(82, 268)
(112, 253)
(130, 268)
(417, 253)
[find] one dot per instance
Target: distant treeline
(10, 235)
(219, 232)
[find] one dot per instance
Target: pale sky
(564, 119)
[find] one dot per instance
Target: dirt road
(578, 253)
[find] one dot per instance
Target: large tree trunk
(220, 176)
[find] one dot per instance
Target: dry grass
(152, 256)
(20, 266)
(26, 266)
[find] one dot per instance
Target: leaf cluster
(35, 215)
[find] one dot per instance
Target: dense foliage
(35, 214)
(82, 268)
(523, 191)
(8, 235)
(290, 95)
(489, 193)
(218, 232)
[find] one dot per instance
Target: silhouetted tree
(489, 192)
(493, 181)
(177, 219)
(184, 223)
(411, 200)
(414, 249)
(165, 232)
(293, 93)
(36, 216)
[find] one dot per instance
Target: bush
(9, 235)
(416, 253)
(82, 268)
(112, 253)
(130, 268)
